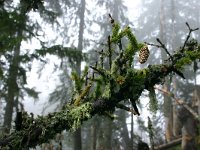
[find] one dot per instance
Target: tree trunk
(189, 131)
(108, 134)
(132, 131)
(167, 101)
(12, 87)
(176, 123)
(77, 140)
(77, 134)
(94, 134)
(125, 133)
(100, 142)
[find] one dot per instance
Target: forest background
(68, 34)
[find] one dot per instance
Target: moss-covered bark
(109, 86)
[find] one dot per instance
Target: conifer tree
(119, 82)
(16, 26)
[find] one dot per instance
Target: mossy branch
(120, 82)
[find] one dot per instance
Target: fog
(54, 39)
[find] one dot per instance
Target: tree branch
(188, 36)
(180, 102)
(119, 82)
(169, 145)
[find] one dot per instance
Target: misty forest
(99, 75)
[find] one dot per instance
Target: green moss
(121, 34)
(77, 81)
(115, 66)
(182, 62)
(98, 89)
(141, 45)
(80, 114)
(115, 31)
(85, 72)
(106, 92)
(129, 51)
(110, 86)
(132, 38)
(193, 54)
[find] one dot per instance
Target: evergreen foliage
(17, 26)
(118, 82)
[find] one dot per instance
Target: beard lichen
(79, 114)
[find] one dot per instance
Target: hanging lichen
(153, 103)
(79, 114)
(103, 90)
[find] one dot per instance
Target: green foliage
(133, 45)
(31, 92)
(27, 5)
(188, 56)
(77, 81)
(80, 90)
(60, 51)
(98, 89)
(101, 93)
(107, 92)
(131, 38)
(115, 32)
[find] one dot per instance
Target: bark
(196, 98)
(108, 126)
(125, 133)
(12, 87)
(168, 111)
(176, 122)
(104, 139)
(77, 134)
(94, 134)
(167, 100)
(100, 144)
(77, 139)
(189, 131)
(132, 131)
(171, 144)
(35, 131)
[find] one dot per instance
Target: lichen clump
(79, 114)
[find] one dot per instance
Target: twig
(101, 58)
(99, 43)
(164, 47)
(101, 52)
(110, 52)
(121, 106)
(101, 72)
(112, 21)
(169, 145)
(188, 36)
(120, 45)
(158, 46)
(161, 46)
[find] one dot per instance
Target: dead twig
(121, 106)
(188, 36)
(162, 45)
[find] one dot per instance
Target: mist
(57, 56)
